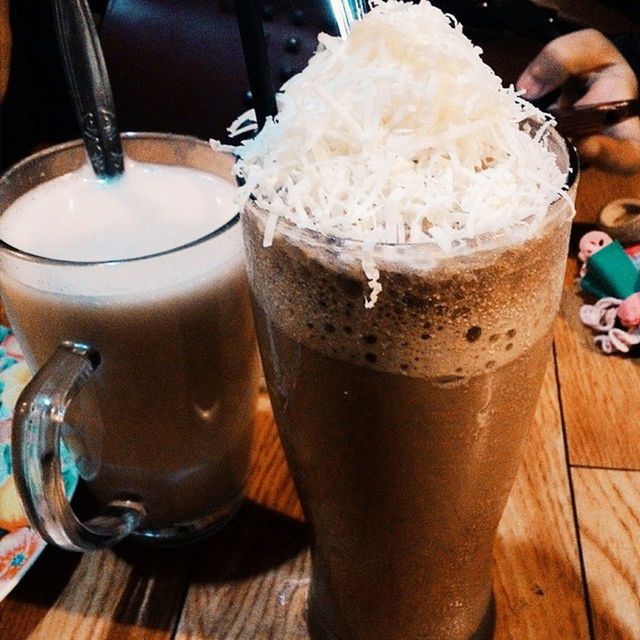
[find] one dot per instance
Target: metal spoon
(589, 119)
(89, 86)
(346, 12)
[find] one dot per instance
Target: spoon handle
(89, 85)
(346, 12)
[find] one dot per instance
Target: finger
(542, 76)
(572, 90)
(574, 54)
(615, 82)
(610, 154)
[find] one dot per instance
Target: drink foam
(448, 320)
(151, 208)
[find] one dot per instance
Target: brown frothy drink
(403, 424)
(167, 417)
(406, 226)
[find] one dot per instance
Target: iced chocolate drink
(403, 424)
(405, 258)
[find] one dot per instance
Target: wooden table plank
(132, 592)
(608, 508)
(594, 388)
(250, 581)
(269, 482)
(597, 188)
(599, 395)
(537, 578)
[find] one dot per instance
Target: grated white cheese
(400, 133)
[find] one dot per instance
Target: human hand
(591, 59)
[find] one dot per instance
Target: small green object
(611, 272)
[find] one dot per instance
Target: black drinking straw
(256, 59)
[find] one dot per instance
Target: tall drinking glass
(403, 424)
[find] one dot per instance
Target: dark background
(176, 65)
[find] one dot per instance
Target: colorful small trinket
(610, 272)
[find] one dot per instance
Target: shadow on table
(139, 586)
(256, 540)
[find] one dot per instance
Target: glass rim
(306, 233)
(74, 144)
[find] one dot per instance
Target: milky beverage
(167, 416)
(406, 234)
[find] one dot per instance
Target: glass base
(318, 629)
(486, 628)
(188, 532)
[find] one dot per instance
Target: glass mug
(403, 424)
(146, 366)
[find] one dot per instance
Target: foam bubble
(478, 311)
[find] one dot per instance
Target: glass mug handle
(37, 423)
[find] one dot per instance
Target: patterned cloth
(19, 544)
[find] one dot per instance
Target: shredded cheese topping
(400, 133)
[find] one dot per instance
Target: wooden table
(567, 555)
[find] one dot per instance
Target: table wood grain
(537, 565)
(598, 395)
(608, 511)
